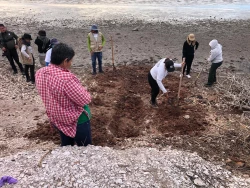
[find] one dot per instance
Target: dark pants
(154, 88)
(82, 137)
(12, 55)
(97, 55)
(212, 73)
(189, 61)
(30, 77)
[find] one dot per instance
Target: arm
(160, 77)
(212, 56)
(196, 45)
(184, 52)
(23, 51)
(16, 37)
(88, 43)
(103, 40)
(1, 41)
(77, 93)
(37, 41)
(177, 65)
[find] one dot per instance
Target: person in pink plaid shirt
(66, 100)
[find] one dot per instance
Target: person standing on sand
(96, 42)
(28, 58)
(42, 43)
(53, 42)
(66, 100)
(157, 74)
(9, 44)
(216, 59)
(188, 50)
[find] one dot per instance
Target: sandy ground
(22, 109)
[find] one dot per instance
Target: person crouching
(27, 57)
(157, 74)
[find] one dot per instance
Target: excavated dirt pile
(120, 108)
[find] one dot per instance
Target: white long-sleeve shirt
(48, 55)
(23, 50)
(159, 72)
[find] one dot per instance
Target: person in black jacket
(189, 48)
(9, 44)
(42, 43)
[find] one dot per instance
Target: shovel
(113, 58)
(195, 82)
(179, 90)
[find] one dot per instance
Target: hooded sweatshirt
(216, 52)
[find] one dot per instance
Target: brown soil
(121, 109)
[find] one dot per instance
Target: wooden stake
(179, 91)
(113, 58)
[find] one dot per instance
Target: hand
(166, 95)
(91, 53)
(100, 48)
(183, 63)
(4, 49)
(29, 58)
(16, 46)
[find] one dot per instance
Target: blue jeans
(82, 137)
(97, 55)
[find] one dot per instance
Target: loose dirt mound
(121, 109)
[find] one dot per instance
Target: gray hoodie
(216, 52)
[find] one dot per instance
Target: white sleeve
(48, 56)
(23, 51)
(212, 56)
(177, 65)
(160, 77)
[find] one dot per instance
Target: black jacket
(188, 50)
(8, 40)
(42, 48)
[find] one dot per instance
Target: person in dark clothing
(8, 43)
(189, 48)
(43, 44)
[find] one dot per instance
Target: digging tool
(113, 58)
(179, 90)
(195, 82)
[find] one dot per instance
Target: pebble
(106, 167)
(186, 117)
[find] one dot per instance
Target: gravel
(95, 166)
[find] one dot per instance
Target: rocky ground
(198, 143)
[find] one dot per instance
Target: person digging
(216, 59)
(157, 74)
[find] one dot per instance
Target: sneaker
(15, 72)
(208, 85)
(101, 72)
(188, 76)
(93, 73)
(28, 80)
(154, 105)
(23, 73)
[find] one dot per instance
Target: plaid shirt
(63, 96)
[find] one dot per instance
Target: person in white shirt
(27, 57)
(53, 42)
(157, 74)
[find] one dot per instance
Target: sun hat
(94, 28)
(191, 37)
(27, 36)
(169, 65)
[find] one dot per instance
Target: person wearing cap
(96, 41)
(189, 48)
(216, 59)
(53, 42)
(9, 44)
(157, 74)
(43, 44)
(27, 57)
